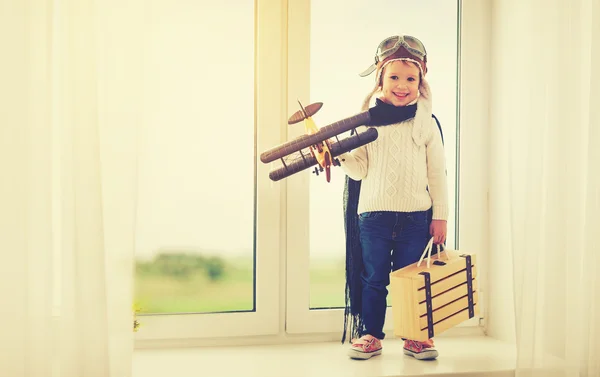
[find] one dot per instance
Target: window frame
(281, 267)
(269, 115)
(471, 203)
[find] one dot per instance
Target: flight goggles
(390, 45)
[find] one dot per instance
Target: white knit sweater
(396, 172)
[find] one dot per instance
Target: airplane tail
(305, 112)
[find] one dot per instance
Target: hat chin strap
(422, 124)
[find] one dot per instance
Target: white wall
(500, 321)
(485, 106)
(474, 114)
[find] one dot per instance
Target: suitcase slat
(447, 311)
(446, 324)
(445, 284)
(447, 297)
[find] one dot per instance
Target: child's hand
(438, 230)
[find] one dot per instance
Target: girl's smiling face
(400, 83)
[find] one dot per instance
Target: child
(395, 197)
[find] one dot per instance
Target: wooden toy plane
(315, 147)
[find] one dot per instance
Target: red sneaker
(420, 350)
(365, 347)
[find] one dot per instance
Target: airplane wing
(304, 160)
(324, 133)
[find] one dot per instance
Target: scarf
(382, 114)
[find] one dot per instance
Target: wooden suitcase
(434, 294)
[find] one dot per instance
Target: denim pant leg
(411, 238)
(375, 237)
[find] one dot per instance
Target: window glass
(195, 226)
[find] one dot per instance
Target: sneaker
(420, 350)
(365, 347)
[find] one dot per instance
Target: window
(328, 55)
(199, 241)
(241, 255)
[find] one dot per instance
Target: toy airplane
(315, 147)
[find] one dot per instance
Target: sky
(199, 92)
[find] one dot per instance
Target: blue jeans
(389, 241)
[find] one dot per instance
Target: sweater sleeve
(436, 174)
(355, 163)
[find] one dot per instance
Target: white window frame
(472, 170)
(282, 263)
(269, 117)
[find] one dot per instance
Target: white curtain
(70, 80)
(545, 119)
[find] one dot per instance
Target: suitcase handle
(427, 252)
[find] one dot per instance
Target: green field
(192, 283)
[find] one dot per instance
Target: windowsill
(459, 356)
